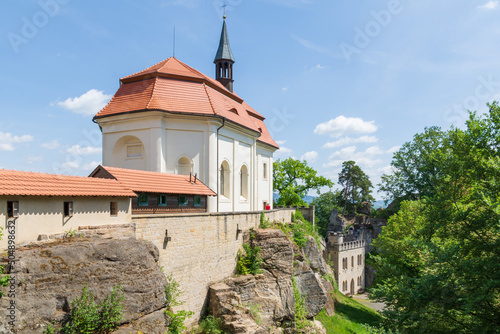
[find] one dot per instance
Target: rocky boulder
(48, 277)
(265, 303)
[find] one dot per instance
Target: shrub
(176, 319)
(249, 261)
(211, 325)
(301, 321)
(89, 317)
(264, 223)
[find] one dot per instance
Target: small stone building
(160, 192)
(32, 204)
(347, 252)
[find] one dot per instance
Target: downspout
(217, 169)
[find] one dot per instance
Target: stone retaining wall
(200, 249)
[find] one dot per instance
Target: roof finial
(224, 6)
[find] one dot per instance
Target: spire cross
(224, 6)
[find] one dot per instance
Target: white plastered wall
(166, 138)
(45, 215)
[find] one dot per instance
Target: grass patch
(350, 317)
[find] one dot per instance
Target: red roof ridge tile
(153, 92)
(209, 99)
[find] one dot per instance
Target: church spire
(224, 60)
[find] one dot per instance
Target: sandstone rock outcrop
(271, 292)
(49, 276)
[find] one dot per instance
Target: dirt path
(363, 298)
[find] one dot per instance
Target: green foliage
(438, 268)
(176, 320)
(255, 313)
(300, 229)
(172, 293)
(249, 260)
(49, 329)
(301, 321)
(356, 186)
(351, 316)
(71, 233)
(87, 316)
(4, 279)
(293, 179)
(324, 205)
(264, 223)
(211, 325)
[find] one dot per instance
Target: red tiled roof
(17, 183)
(155, 182)
(173, 86)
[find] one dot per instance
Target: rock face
(50, 276)
(271, 292)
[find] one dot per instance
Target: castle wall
(348, 263)
(202, 248)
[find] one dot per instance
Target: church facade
(171, 118)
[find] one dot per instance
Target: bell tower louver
(224, 60)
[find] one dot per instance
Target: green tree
(356, 185)
(324, 204)
(293, 179)
(415, 167)
(438, 268)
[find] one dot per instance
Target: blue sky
(337, 80)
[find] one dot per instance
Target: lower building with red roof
(160, 192)
(34, 204)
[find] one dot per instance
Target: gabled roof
(224, 51)
(174, 87)
(17, 183)
(154, 182)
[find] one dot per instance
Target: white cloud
(393, 149)
(366, 159)
(77, 165)
(51, 145)
(318, 67)
(87, 150)
(310, 156)
(283, 152)
(349, 140)
(280, 142)
(90, 166)
(345, 125)
(88, 104)
(492, 4)
(7, 140)
(284, 89)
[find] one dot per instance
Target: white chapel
(171, 118)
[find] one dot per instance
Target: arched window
(244, 182)
(184, 166)
(224, 179)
